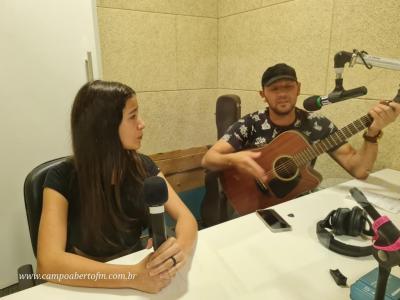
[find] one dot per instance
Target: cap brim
(280, 77)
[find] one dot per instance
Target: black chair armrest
(25, 277)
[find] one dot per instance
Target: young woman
(93, 207)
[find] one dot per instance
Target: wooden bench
(184, 172)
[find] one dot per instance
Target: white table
(243, 259)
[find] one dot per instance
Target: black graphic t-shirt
(256, 129)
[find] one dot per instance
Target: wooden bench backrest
(182, 168)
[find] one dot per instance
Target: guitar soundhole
(285, 168)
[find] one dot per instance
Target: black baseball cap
(278, 72)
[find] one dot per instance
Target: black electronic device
(273, 220)
(344, 221)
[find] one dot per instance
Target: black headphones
(344, 221)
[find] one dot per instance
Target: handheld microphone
(388, 232)
(316, 102)
(155, 195)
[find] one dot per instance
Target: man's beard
(282, 113)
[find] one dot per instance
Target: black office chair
(215, 207)
(33, 194)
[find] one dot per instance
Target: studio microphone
(388, 233)
(155, 196)
(316, 102)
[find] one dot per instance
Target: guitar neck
(335, 139)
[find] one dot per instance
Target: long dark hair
(102, 164)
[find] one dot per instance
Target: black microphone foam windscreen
(155, 191)
(312, 103)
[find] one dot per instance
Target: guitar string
(290, 165)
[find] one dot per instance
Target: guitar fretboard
(335, 139)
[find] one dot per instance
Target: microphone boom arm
(376, 61)
(339, 93)
(361, 57)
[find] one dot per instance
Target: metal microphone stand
(386, 234)
(386, 261)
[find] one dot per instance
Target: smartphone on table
(274, 221)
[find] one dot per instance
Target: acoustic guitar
(287, 160)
